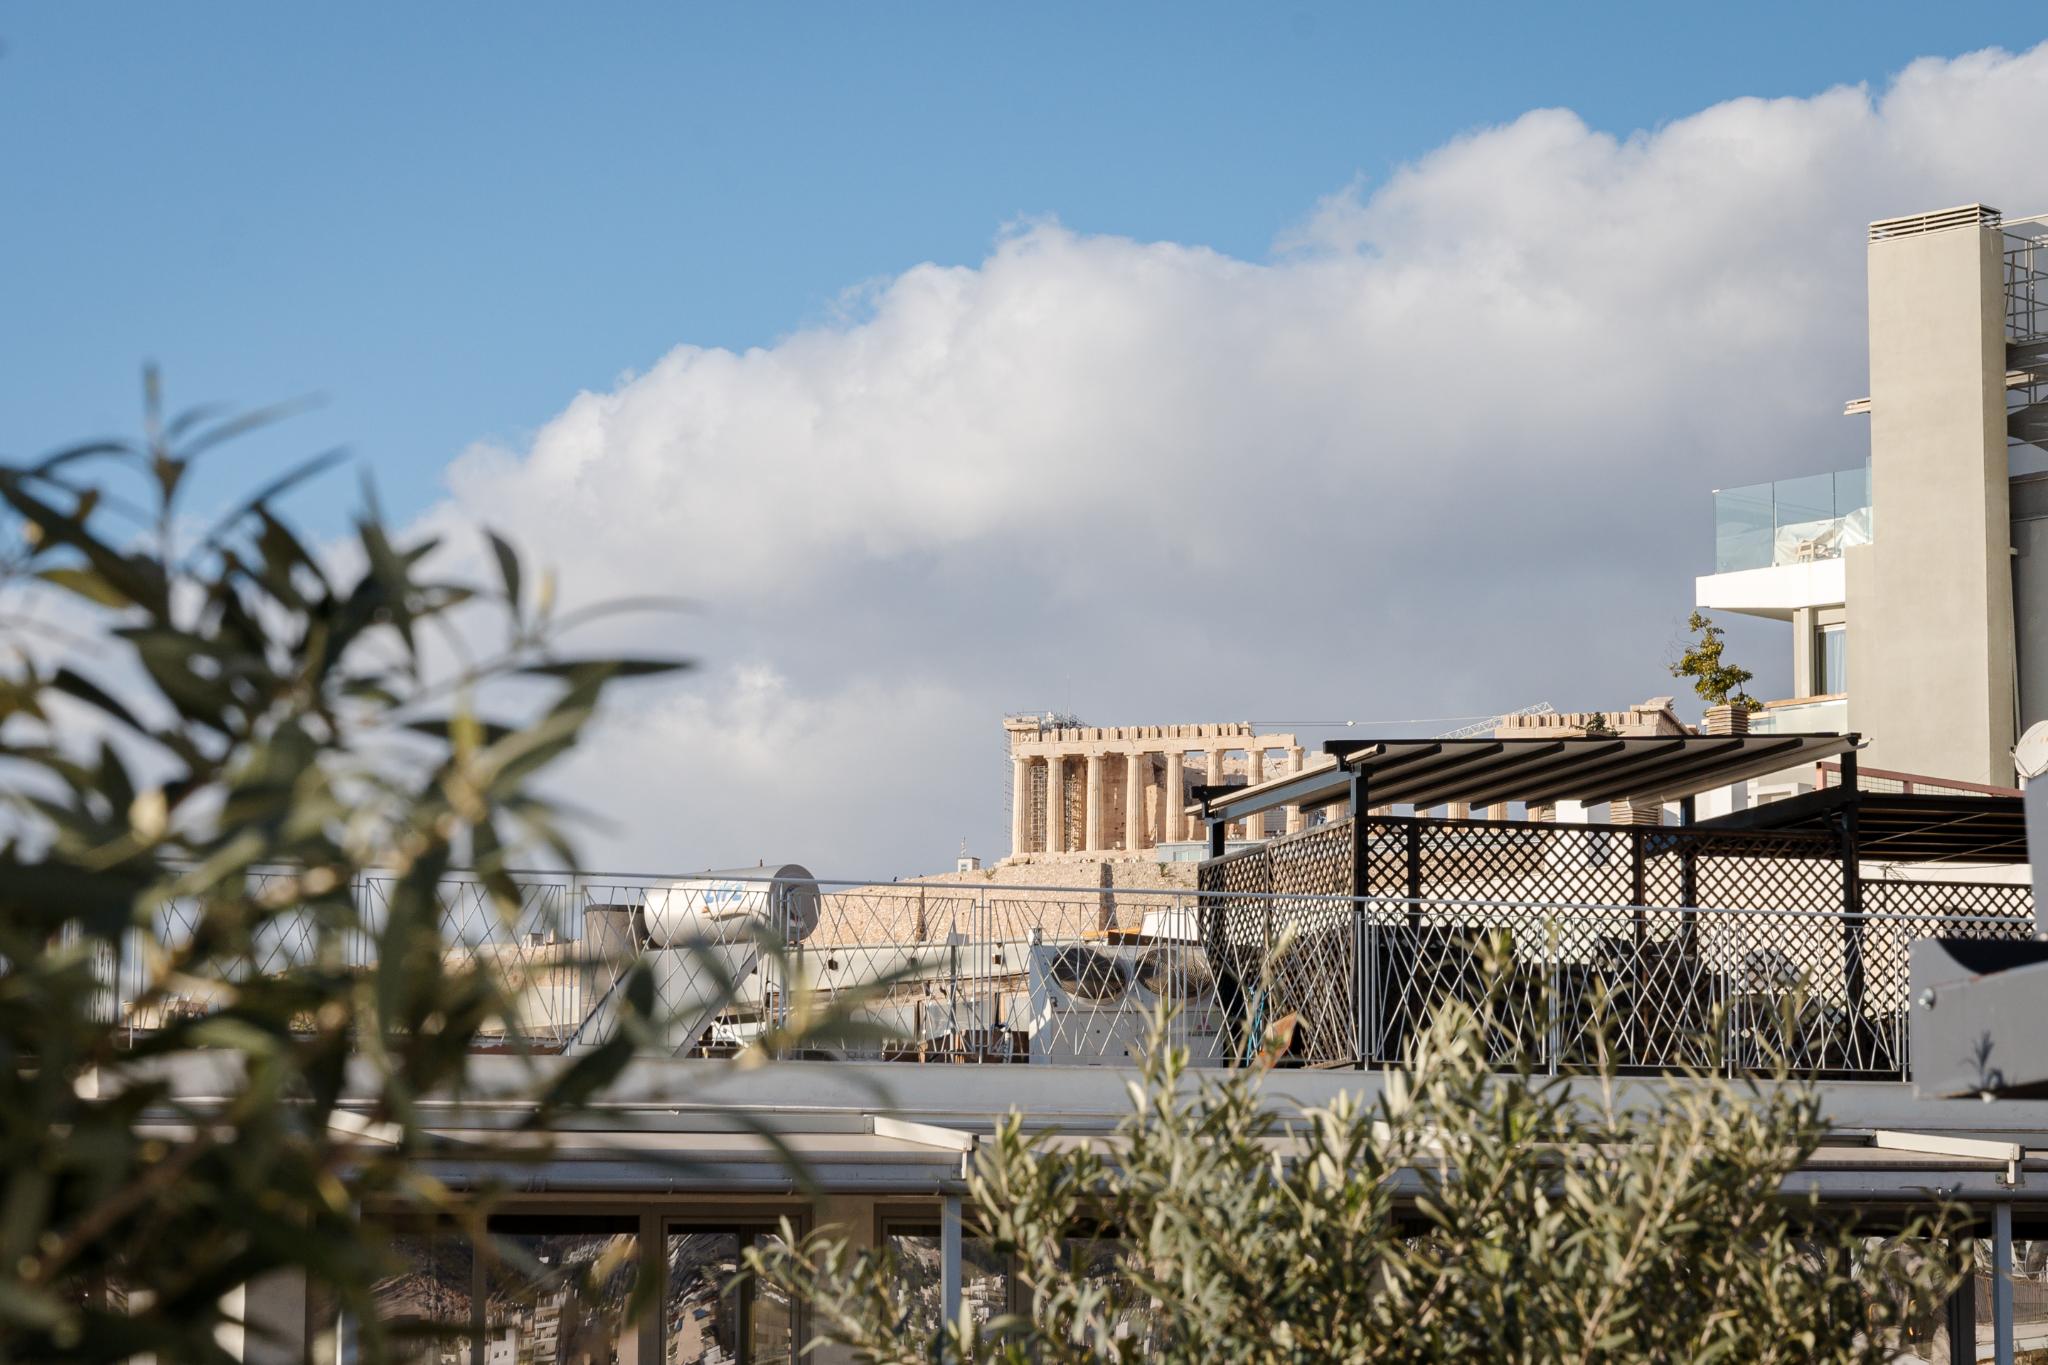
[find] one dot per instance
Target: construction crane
(1492, 723)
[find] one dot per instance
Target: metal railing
(939, 972)
(2026, 281)
(1889, 781)
(1670, 946)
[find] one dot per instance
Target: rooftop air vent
(1941, 220)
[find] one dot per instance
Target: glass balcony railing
(1821, 716)
(1792, 521)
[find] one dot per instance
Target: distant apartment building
(1917, 586)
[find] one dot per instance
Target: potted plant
(1718, 682)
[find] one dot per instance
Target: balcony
(1802, 716)
(1791, 521)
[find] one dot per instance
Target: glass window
(1831, 661)
(432, 1286)
(556, 1291)
(707, 1319)
(1101, 1261)
(984, 1275)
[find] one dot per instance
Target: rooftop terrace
(1710, 948)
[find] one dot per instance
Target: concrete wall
(1930, 602)
(2029, 498)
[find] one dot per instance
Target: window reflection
(988, 1290)
(984, 1276)
(431, 1287)
(709, 1320)
(1101, 1261)
(557, 1292)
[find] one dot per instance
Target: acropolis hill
(1095, 790)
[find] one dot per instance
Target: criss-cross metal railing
(985, 972)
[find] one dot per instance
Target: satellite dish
(1090, 975)
(2030, 755)
(2030, 758)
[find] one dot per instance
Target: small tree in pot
(1718, 682)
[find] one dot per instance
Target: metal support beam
(1637, 1023)
(2001, 1281)
(949, 1256)
(1688, 879)
(1961, 1315)
(1852, 903)
(1361, 932)
(654, 1265)
(1414, 830)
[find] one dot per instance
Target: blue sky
(449, 218)
(1112, 451)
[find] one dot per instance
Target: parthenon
(1099, 789)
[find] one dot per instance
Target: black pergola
(1899, 827)
(1480, 772)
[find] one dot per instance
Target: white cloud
(1448, 450)
(741, 767)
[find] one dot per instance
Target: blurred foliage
(178, 709)
(1470, 1213)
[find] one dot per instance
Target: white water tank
(739, 906)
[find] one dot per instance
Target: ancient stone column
(1214, 778)
(1056, 804)
(1091, 819)
(1297, 819)
(1255, 773)
(1175, 823)
(1136, 766)
(1020, 806)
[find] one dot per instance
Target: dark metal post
(1639, 966)
(1688, 879)
(1962, 1321)
(1852, 913)
(1639, 884)
(1361, 887)
(1212, 913)
(1415, 871)
(2001, 1283)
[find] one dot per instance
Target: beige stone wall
(1062, 896)
(1645, 718)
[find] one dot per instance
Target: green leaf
(578, 669)
(76, 685)
(508, 567)
(88, 584)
